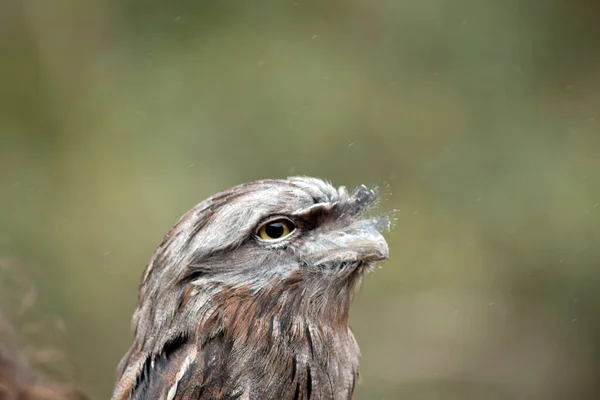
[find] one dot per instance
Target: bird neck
(282, 339)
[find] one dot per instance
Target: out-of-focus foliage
(480, 120)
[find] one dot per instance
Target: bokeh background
(479, 119)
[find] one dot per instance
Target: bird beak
(367, 242)
(356, 244)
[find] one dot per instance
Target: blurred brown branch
(18, 378)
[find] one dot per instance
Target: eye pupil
(275, 230)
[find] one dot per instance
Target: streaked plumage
(225, 315)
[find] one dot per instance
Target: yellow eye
(276, 229)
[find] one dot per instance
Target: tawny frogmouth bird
(247, 297)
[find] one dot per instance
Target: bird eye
(276, 229)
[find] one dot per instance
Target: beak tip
(379, 252)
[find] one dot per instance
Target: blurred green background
(478, 118)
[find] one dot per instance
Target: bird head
(260, 235)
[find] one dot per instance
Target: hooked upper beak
(357, 244)
(368, 243)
